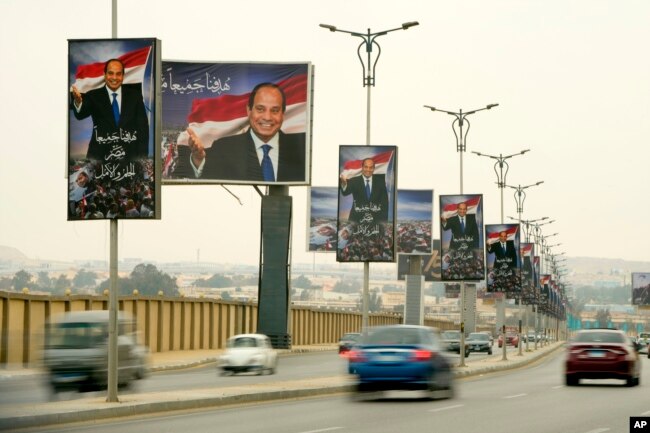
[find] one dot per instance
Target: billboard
(528, 286)
(236, 123)
(640, 288)
(366, 203)
(502, 248)
(321, 225)
(461, 237)
(414, 221)
(113, 123)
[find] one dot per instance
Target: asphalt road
(531, 400)
(34, 389)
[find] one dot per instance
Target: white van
(76, 351)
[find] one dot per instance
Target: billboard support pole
(111, 396)
(368, 40)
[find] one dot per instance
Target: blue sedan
(402, 357)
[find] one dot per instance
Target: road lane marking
(557, 387)
(440, 409)
(599, 430)
(323, 429)
(515, 396)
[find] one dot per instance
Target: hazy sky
(572, 79)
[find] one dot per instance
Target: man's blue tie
(367, 189)
(267, 165)
(116, 109)
(462, 226)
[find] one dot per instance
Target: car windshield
(243, 342)
(600, 337)
(478, 336)
(77, 335)
(451, 335)
(395, 336)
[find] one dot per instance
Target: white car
(249, 352)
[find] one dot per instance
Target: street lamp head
(492, 105)
(524, 151)
(410, 24)
(430, 107)
(328, 27)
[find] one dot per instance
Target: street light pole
(499, 167)
(460, 118)
(368, 39)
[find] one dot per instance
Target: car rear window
(244, 342)
(395, 336)
(600, 337)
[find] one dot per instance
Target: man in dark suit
(120, 123)
(263, 153)
(369, 194)
(464, 228)
(504, 251)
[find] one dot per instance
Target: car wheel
(632, 381)
(490, 352)
(467, 352)
(571, 380)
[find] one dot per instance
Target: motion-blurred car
(451, 342)
(401, 357)
(347, 341)
(512, 339)
(643, 340)
(248, 353)
(489, 334)
(479, 342)
(601, 354)
(75, 355)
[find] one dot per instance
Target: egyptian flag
(511, 232)
(224, 115)
(353, 168)
(91, 75)
(451, 209)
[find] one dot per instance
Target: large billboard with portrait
(502, 248)
(113, 112)
(236, 123)
(640, 288)
(461, 237)
(366, 203)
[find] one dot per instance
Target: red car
(512, 339)
(602, 354)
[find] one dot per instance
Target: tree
(217, 281)
(43, 281)
(84, 279)
(603, 318)
(60, 284)
(303, 283)
(22, 279)
(149, 280)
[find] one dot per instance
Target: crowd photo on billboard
(461, 237)
(503, 258)
(321, 236)
(366, 204)
(414, 221)
(112, 128)
(236, 122)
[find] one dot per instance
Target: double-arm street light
(461, 137)
(368, 40)
(528, 224)
(501, 168)
(520, 195)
